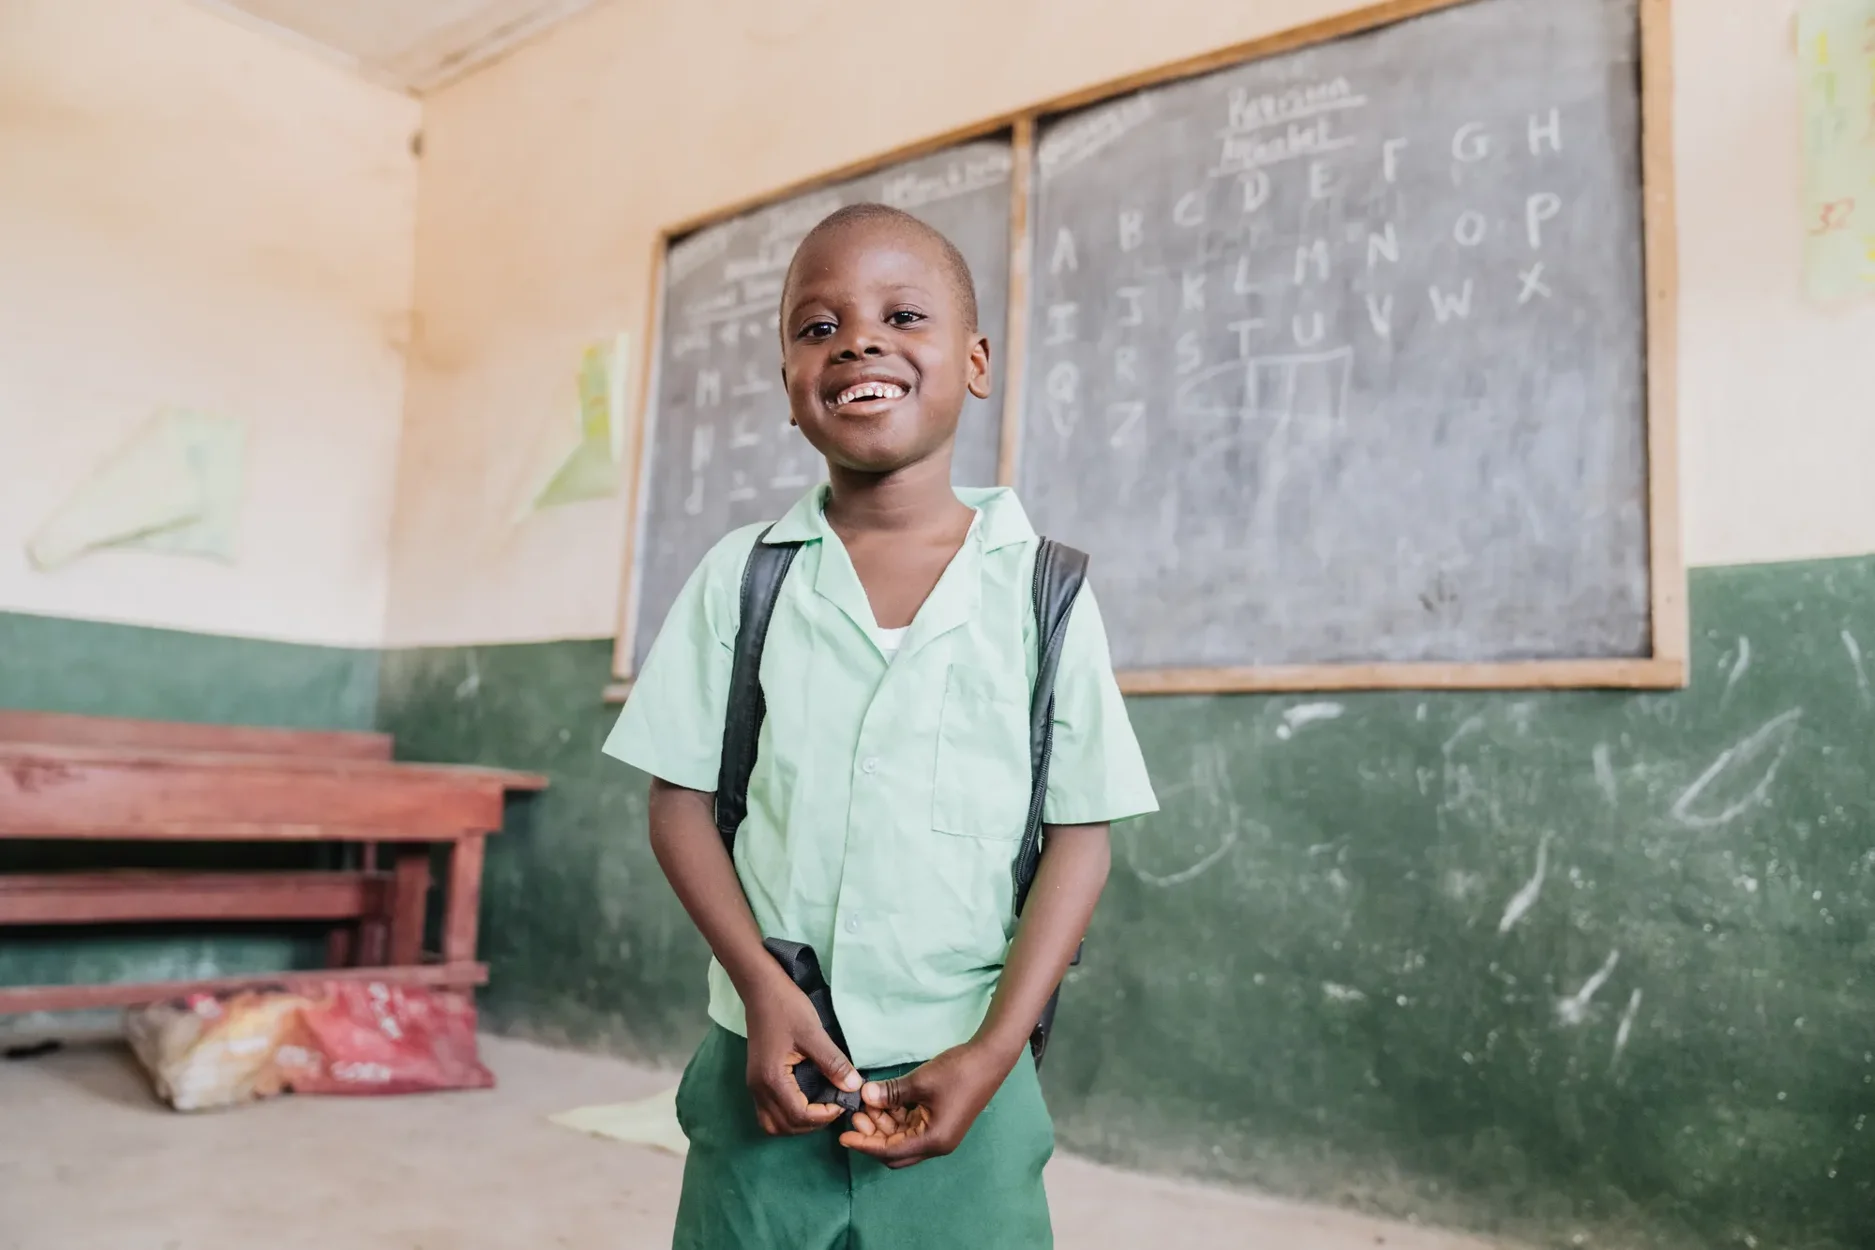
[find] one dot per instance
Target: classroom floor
(89, 1161)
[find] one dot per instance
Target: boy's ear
(979, 375)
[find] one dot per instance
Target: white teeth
(870, 390)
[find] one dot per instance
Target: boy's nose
(858, 343)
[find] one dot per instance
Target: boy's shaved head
(957, 269)
(880, 348)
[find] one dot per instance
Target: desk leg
(410, 891)
(341, 945)
(464, 904)
(374, 940)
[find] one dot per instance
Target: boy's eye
(819, 328)
(905, 317)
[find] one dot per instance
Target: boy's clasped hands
(921, 1115)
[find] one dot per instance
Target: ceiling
(414, 45)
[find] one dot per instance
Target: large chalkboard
(1340, 355)
(719, 452)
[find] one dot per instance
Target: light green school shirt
(889, 793)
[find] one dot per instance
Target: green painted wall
(1565, 965)
(59, 665)
(53, 664)
(588, 943)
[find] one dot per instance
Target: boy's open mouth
(867, 396)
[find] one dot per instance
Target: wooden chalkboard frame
(1665, 668)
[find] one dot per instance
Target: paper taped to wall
(590, 470)
(174, 487)
(1836, 43)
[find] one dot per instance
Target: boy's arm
(925, 1113)
(784, 1029)
(1067, 886)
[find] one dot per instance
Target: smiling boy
(889, 796)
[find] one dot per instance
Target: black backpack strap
(742, 720)
(1060, 572)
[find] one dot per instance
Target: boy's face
(876, 353)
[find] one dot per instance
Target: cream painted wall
(192, 213)
(1777, 407)
(547, 175)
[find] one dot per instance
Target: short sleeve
(1095, 772)
(672, 724)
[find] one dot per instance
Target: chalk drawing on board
(689, 255)
(1126, 416)
(1738, 670)
(975, 171)
(1064, 386)
(1524, 899)
(787, 223)
(471, 685)
(1306, 714)
(1626, 1028)
(1209, 782)
(1472, 724)
(1278, 406)
(1854, 649)
(1204, 865)
(1740, 779)
(1605, 772)
(1275, 127)
(1574, 1009)
(1066, 146)
(1274, 389)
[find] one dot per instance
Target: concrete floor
(90, 1161)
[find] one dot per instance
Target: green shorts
(745, 1190)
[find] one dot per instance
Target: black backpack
(1060, 571)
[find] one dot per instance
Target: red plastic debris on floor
(340, 1038)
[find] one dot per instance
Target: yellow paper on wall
(174, 487)
(1836, 46)
(590, 470)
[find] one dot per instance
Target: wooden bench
(102, 779)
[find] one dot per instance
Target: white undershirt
(890, 640)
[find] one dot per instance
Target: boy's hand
(925, 1113)
(784, 1031)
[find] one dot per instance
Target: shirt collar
(1002, 521)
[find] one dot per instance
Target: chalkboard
(719, 452)
(1340, 355)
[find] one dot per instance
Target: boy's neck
(917, 498)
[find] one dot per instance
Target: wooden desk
(102, 779)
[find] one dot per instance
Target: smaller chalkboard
(719, 452)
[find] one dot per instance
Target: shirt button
(852, 924)
(869, 765)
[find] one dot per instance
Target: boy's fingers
(788, 1109)
(832, 1064)
(875, 1145)
(904, 1091)
(901, 1149)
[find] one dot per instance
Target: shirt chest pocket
(981, 789)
